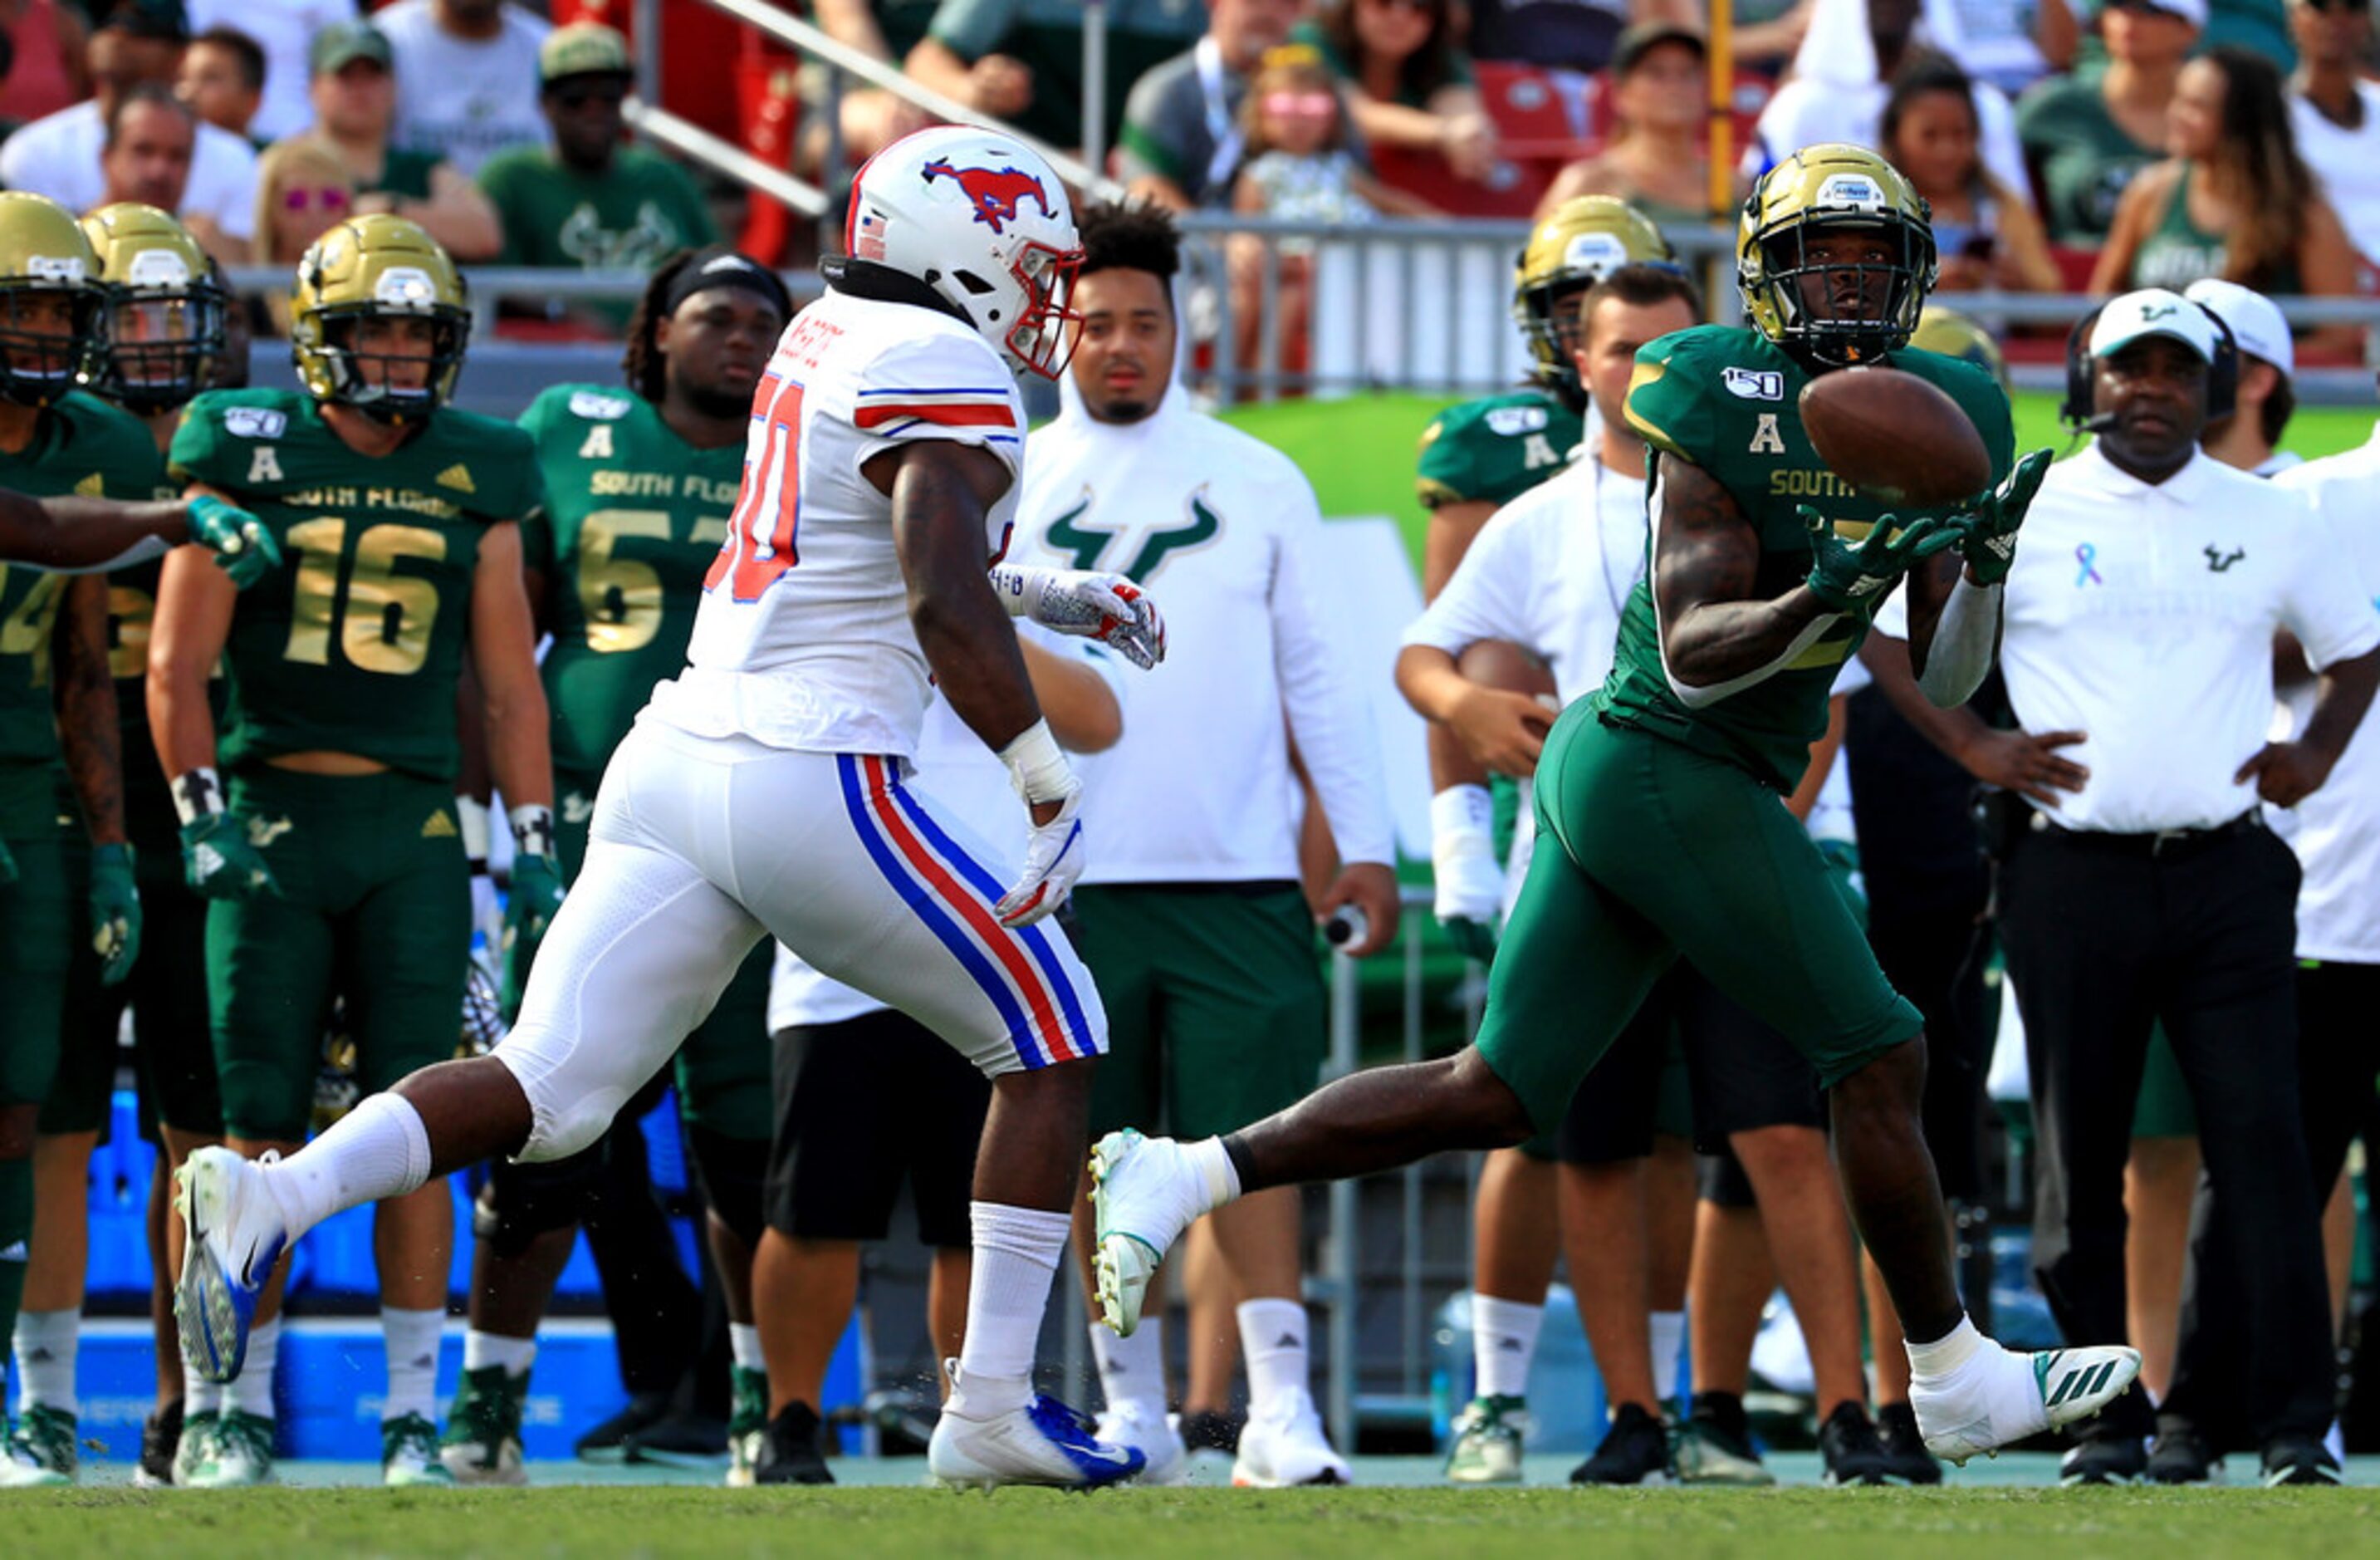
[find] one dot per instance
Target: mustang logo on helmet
(997, 193)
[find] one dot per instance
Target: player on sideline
(1652, 795)
(763, 794)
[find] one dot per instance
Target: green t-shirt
(633, 516)
(356, 643)
(1496, 448)
(628, 218)
(1724, 399)
(404, 174)
(81, 446)
(2084, 158)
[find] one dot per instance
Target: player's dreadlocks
(642, 362)
(1130, 235)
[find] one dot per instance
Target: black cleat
(160, 1437)
(2105, 1459)
(1635, 1450)
(1852, 1450)
(2180, 1457)
(1906, 1460)
(608, 1441)
(2299, 1460)
(686, 1438)
(791, 1452)
(1211, 1432)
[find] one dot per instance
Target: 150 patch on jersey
(595, 406)
(255, 422)
(1754, 384)
(1512, 421)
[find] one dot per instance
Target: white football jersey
(803, 638)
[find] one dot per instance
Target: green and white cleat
(482, 1444)
(408, 1455)
(197, 1446)
(747, 1425)
(22, 1466)
(1144, 1192)
(1488, 1438)
(238, 1454)
(2000, 1397)
(45, 1437)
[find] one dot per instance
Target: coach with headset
(2140, 613)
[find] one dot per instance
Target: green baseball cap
(342, 43)
(584, 48)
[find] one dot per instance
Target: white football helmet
(984, 223)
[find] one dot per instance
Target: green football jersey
(81, 445)
(1496, 448)
(633, 516)
(1725, 398)
(355, 644)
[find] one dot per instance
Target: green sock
(16, 1238)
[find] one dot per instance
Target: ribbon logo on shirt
(2084, 554)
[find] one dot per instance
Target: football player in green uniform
(638, 483)
(1659, 800)
(335, 862)
(161, 341)
(58, 747)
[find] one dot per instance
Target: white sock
(1221, 1176)
(1946, 1355)
(1503, 1342)
(411, 1340)
(483, 1349)
(201, 1397)
(1669, 1337)
(744, 1337)
(377, 1150)
(1272, 1341)
(1132, 1370)
(45, 1359)
(1017, 1250)
(252, 1391)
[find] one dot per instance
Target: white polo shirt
(58, 156)
(2338, 836)
(2143, 616)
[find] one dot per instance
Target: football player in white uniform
(764, 792)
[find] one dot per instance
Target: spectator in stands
(1655, 160)
(1181, 146)
(871, 117)
(59, 156)
(589, 201)
(283, 30)
(354, 93)
(2233, 200)
(2336, 113)
(44, 71)
(2085, 139)
(223, 79)
(1409, 82)
(1985, 231)
(1022, 60)
(463, 68)
(151, 139)
(302, 191)
(1582, 34)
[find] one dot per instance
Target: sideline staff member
(2141, 612)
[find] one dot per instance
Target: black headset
(2222, 375)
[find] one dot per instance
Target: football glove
(219, 863)
(1462, 858)
(1088, 605)
(530, 899)
(1989, 546)
(1054, 856)
(1854, 580)
(114, 911)
(244, 549)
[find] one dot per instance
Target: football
(1895, 436)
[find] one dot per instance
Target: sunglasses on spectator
(304, 199)
(1307, 105)
(580, 97)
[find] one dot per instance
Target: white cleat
(21, 1469)
(1144, 1192)
(235, 1237)
(1165, 1459)
(2002, 1396)
(1284, 1445)
(1039, 1442)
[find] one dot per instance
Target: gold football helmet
(369, 269)
(1952, 335)
(49, 302)
(1794, 301)
(163, 323)
(1566, 254)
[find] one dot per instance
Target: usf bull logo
(996, 192)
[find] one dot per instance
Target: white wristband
(1036, 766)
(1019, 589)
(532, 829)
(1463, 810)
(198, 793)
(472, 813)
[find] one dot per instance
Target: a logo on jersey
(262, 832)
(577, 807)
(599, 443)
(595, 406)
(996, 192)
(1538, 453)
(1200, 525)
(93, 486)
(1765, 438)
(255, 422)
(1754, 384)
(439, 826)
(458, 478)
(2219, 562)
(264, 465)
(1510, 421)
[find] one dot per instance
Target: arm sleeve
(2334, 612)
(1488, 598)
(1327, 712)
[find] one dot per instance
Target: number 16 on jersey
(760, 533)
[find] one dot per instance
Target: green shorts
(1216, 1012)
(375, 907)
(2164, 1108)
(38, 914)
(1648, 851)
(723, 1069)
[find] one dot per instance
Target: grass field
(1156, 1524)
